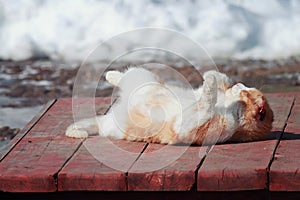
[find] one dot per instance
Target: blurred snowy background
(67, 30)
(42, 42)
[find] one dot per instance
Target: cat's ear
(245, 94)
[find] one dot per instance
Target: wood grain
(96, 169)
(178, 175)
(233, 167)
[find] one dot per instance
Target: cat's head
(255, 114)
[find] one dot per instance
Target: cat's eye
(261, 114)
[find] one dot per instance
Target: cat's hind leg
(114, 77)
(132, 77)
(104, 125)
(222, 80)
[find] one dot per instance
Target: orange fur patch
(140, 128)
(252, 128)
(212, 131)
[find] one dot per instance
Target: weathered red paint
(87, 172)
(176, 176)
(32, 165)
(284, 172)
(233, 167)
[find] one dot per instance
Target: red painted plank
(32, 165)
(285, 169)
(85, 105)
(243, 166)
(293, 124)
(34, 162)
(284, 172)
(281, 104)
(95, 166)
(233, 167)
(167, 174)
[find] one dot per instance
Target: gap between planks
(126, 173)
(55, 176)
(278, 141)
(195, 186)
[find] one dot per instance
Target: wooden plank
(33, 164)
(25, 130)
(285, 173)
(178, 175)
(285, 169)
(86, 171)
(233, 167)
(293, 123)
(243, 166)
(281, 104)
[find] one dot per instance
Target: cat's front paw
(209, 92)
(73, 132)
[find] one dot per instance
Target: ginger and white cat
(151, 111)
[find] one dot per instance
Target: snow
(17, 117)
(68, 30)
(37, 83)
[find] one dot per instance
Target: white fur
(114, 77)
(141, 90)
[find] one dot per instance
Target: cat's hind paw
(114, 77)
(73, 132)
(223, 82)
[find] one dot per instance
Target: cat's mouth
(261, 114)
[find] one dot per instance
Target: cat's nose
(241, 86)
(237, 88)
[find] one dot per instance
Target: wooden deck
(42, 159)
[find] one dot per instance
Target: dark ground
(31, 83)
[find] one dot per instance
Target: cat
(149, 110)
